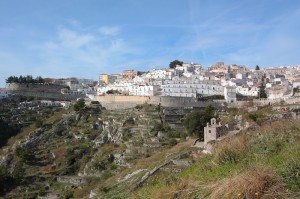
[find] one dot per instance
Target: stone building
(215, 130)
(129, 74)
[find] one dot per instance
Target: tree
(39, 79)
(195, 121)
(257, 67)
(262, 90)
(79, 106)
(174, 63)
(25, 79)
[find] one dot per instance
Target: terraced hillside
(91, 152)
(75, 153)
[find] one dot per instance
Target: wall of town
(265, 102)
(169, 101)
(51, 91)
(123, 102)
(11, 87)
(56, 96)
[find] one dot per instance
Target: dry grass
(255, 183)
(173, 191)
(279, 126)
(60, 154)
(231, 149)
(157, 157)
(150, 162)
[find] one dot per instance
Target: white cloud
(73, 39)
(73, 52)
(50, 45)
(110, 30)
(73, 22)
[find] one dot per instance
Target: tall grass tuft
(231, 150)
(258, 182)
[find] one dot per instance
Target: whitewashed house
(191, 87)
(247, 91)
(230, 94)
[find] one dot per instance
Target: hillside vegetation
(89, 152)
(262, 163)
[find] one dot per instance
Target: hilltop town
(220, 81)
(191, 80)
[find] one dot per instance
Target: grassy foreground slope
(261, 163)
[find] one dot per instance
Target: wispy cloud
(110, 30)
(72, 50)
(72, 39)
(277, 46)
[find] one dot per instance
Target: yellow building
(103, 79)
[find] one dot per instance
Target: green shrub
(106, 175)
(95, 102)
(113, 167)
(172, 142)
(68, 194)
(22, 153)
(79, 106)
(126, 134)
(38, 123)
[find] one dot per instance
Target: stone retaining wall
(123, 102)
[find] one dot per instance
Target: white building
(191, 87)
(188, 69)
(230, 94)
(158, 74)
(296, 83)
(129, 88)
(247, 91)
(141, 90)
(240, 76)
(122, 87)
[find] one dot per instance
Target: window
(209, 131)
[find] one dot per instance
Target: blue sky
(82, 38)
